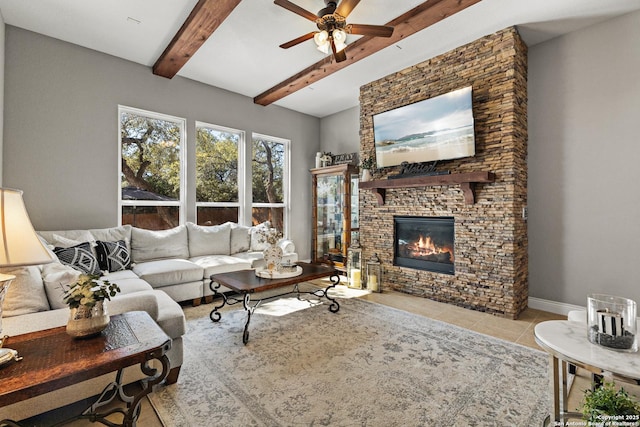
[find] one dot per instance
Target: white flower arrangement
(88, 290)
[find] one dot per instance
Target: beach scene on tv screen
(438, 128)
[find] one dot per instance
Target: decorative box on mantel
(466, 181)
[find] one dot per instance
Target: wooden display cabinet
(335, 213)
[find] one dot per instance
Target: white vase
(85, 321)
(366, 175)
(273, 258)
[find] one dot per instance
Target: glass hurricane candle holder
(612, 322)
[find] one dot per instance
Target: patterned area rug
(367, 365)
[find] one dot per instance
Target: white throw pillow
(149, 245)
(209, 240)
(240, 238)
(67, 238)
(57, 279)
(259, 235)
(26, 293)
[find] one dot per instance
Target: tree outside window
(151, 167)
(269, 169)
(218, 151)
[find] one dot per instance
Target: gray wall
(584, 150)
(61, 130)
(340, 132)
(584, 110)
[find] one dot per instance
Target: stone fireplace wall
(491, 234)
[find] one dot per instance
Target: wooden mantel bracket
(467, 190)
(381, 195)
(466, 181)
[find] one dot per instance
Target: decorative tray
(266, 274)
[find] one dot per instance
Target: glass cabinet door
(330, 217)
(355, 224)
(333, 226)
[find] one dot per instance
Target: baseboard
(552, 306)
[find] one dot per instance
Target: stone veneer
(490, 235)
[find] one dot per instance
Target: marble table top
(568, 340)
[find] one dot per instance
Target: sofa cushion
(216, 264)
(209, 240)
(113, 234)
(147, 245)
(168, 272)
(113, 256)
(26, 293)
(57, 279)
(127, 281)
(259, 234)
(67, 238)
(79, 257)
(170, 315)
(240, 238)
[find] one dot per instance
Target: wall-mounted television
(438, 128)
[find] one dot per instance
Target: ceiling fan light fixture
(322, 41)
(339, 38)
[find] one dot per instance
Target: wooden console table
(53, 360)
(466, 181)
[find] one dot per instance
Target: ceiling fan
(332, 25)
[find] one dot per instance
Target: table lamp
(19, 246)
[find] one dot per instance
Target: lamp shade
(19, 243)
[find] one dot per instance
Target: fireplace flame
(425, 246)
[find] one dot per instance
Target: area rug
(367, 365)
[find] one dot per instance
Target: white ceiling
(243, 54)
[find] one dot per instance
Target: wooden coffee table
(51, 360)
(245, 282)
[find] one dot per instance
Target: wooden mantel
(466, 181)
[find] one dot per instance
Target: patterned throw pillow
(79, 257)
(113, 256)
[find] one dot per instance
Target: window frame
(242, 173)
(182, 124)
(286, 184)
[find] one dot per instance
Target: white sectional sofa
(154, 270)
(179, 261)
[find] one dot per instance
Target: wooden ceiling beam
(417, 19)
(204, 19)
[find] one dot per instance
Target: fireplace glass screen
(424, 243)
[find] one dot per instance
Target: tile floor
(518, 331)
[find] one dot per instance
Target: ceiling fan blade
(296, 9)
(298, 40)
(338, 55)
(371, 30)
(346, 6)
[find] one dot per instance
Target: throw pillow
(79, 257)
(26, 293)
(113, 256)
(259, 234)
(57, 279)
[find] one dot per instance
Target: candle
(355, 278)
(372, 282)
(611, 323)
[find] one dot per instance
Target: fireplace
(424, 243)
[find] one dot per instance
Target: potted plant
(608, 406)
(88, 315)
(367, 164)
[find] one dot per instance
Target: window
(219, 188)
(151, 169)
(270, 181)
